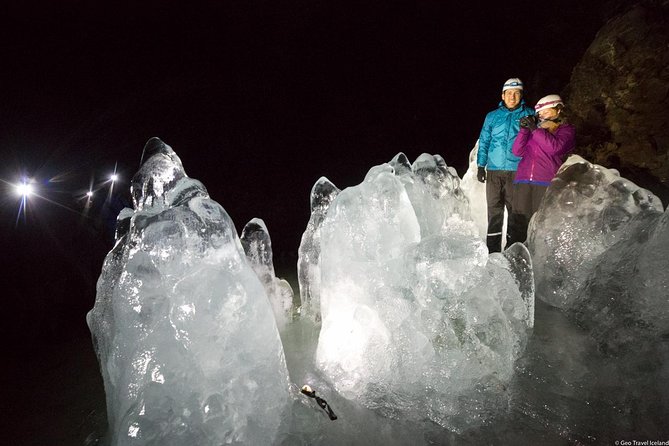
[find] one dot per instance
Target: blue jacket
(497, 135)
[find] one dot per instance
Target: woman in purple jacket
(543, 145)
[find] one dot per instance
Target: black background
(258, 98)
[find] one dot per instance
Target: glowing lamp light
(114, 177)
(89, 194)
(24, 189)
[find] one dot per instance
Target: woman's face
(548, 113)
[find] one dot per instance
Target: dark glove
(529, 122)
(480, 175)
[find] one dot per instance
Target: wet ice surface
(535, 421)
(560, 382)
(563, 392)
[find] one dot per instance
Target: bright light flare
(29, 192)
(25, 190)
(113, 178)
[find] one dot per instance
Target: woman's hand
(551, 126)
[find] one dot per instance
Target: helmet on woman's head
(550, 101)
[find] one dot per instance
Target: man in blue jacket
(496, 163)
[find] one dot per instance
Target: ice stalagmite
(184, 332)
(475, 192)
(257, 245)
(308, 267)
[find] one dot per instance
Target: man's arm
(484, 142)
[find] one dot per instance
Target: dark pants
(526, 201)
(499, 194)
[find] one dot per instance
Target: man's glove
(529, 122)
(480, 175)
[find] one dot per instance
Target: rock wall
(618, 96)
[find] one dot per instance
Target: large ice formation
(184, 332)
(599, 243)
(586, 210)
(410, 330)
(417, 319)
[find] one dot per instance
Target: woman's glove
(528, 122)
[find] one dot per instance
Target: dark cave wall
(618, 96)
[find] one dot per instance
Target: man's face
(512, 97)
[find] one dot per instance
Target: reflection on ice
(408, 328)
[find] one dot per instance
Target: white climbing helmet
(550, 101)
(513, 83)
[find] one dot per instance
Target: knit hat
(513, 83)
(550, 101)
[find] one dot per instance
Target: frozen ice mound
(418, 321)
(621, 305)
(624, 301)
(586, 210)
(599, 246)
(184, 332)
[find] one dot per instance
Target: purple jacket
(542, 153)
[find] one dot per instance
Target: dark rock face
(618, 97)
